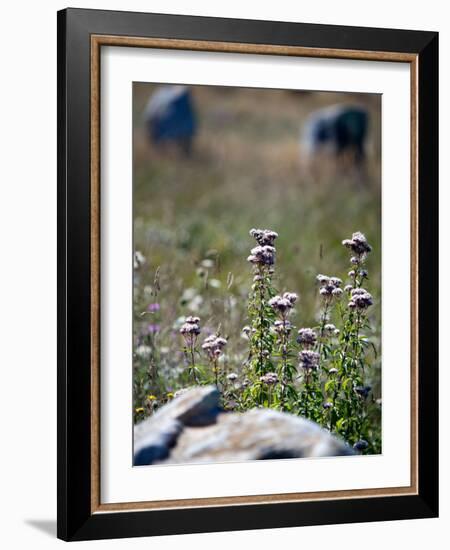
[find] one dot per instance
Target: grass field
(192, 217)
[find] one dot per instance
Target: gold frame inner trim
(97, 41)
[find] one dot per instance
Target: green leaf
(347, 384)
(340, 423)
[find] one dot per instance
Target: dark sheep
(170, 117)
(338, 130)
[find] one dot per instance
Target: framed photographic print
(247, 254)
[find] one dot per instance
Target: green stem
(261, 319)
(193, 371)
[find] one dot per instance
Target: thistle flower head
(283, 304)
(213, 345)
(322, 279)
(247, 331)
(232, 376)
(270, 378)
(282, 327)
(192, 320)
(262, 255)
(306, 337)
(359, 246)
(291, 296)
(264, 236)
(191, 326)
(360, 299)
(330, 287)
(308, 359)
(330, 329)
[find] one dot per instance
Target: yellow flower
(140, 410)
(151, 397)
(170, 395)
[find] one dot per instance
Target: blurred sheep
(170, 117)
(339, 132)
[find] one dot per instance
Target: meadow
(192, 217)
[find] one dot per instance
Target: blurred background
(210, 163)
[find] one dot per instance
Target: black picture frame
(76, 521)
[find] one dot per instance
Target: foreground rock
(257, 434)
(154, 437)
(192, 429)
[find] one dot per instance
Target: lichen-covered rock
(256, 435)
(193, 429)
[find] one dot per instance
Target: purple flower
(152, 328)
(190, 329)
(359, 246)
(282, 327)
(269, 378)
(263, 255)
(282, 304)
(264, 236)
(153, 307)
(213, 346)
(308, 359)
(330, 287)
(306, 337)
(360, 299)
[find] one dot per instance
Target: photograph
(257, 266)
(247, 273)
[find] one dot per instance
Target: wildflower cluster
(308, 360)
(262, 255)
(261, 313)
(347, 392)
(326, 383)
(264, 237)
(319, 371)
(330, 287)
(307, 338)
(360, 248)
(283, 304)
(270, 378)
(190, 331)
(360, 299)
(213, 345)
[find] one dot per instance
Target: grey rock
(257, 434)
(155, 442)
(155, 436)
(193, 429)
